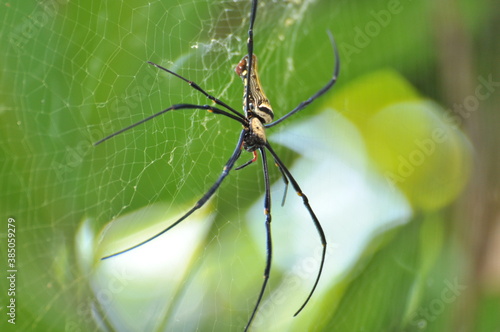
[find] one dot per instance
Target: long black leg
(269, 244)
(285, 180)
(209, 108)
(197, 87)
(315, 220)
(251, 161)
(253, 14)
(225, 171)
(324, 89)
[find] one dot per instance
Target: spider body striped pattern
(259, 110)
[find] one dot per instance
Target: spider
(257, 117)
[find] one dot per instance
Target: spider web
(75, 72)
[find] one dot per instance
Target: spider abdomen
(259, 105)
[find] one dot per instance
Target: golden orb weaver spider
(258, 116)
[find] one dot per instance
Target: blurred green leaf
(411, 140)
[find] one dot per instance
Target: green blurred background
(399, 160)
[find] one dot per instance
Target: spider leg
(269, 245)
(321, 91)
(285, 179)
(315, 220)
(209, 108)
(225, 171)
(254, 159)
(197, 87)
